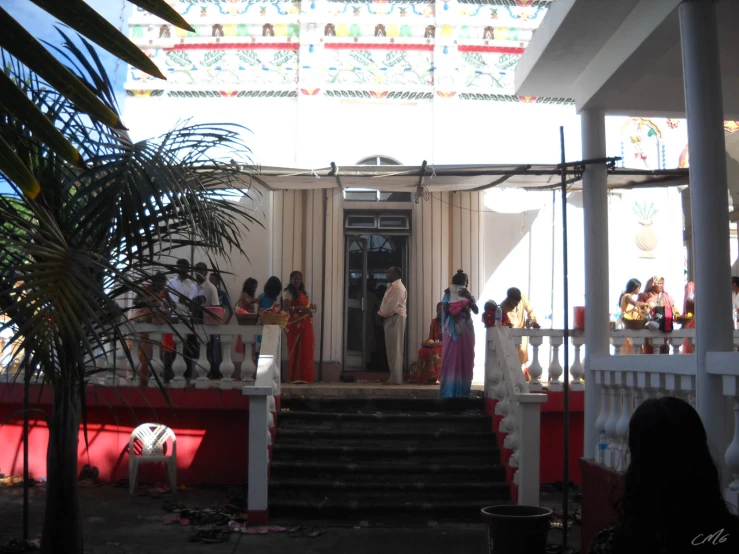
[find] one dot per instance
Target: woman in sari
(267, 301)
(147, 309)
(247, 303)
(428, 368)
(655, 296)
(458, 347)
(629, 304)
(299, 331)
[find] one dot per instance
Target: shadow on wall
(503, 232)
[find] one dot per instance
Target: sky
(41, 25)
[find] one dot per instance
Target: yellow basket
(273, 318)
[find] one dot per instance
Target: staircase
(378, 458)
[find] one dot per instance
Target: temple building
(385, 82)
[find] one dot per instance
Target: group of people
(448, 356)
(293, 300)
(201, 301)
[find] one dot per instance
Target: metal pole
(323, 282)
(26, 392)
(566, 471)
(709, 205)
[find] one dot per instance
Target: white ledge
(722, 363)
(679, 364)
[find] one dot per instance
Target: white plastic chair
(153, 437)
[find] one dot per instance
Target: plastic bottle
(498, 316)
(602, 446)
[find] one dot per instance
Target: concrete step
(361, 437)
(384, 510)
(389, 471)
(387, 450)
(439, 422)
(386, 405)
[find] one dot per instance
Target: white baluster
(618, 344)
(675, 344)
(657, 383)
(204, 366)
(555, 368)
(535, 369)
(600, 423)
(178, 366)
(577, 370)
(491, 377)
(731, 457)
(227, 366)
(136, 345)
(248, 367)
(156, 365)
(614, 403)
(622, 427)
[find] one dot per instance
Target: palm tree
(96, 230)
(20, 43)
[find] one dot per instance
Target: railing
(261, 383)
(521, 423)
(624, 380)
(262, 415)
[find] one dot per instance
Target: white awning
(395, 178)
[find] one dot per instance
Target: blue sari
(458, 349)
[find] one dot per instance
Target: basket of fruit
(634, 321)
(682, 319)
(431, 344)
(270, 317)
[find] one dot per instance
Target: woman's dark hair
(671, 489)
(291, 289)
(631, 286)
(250, 286)
(460, 278)
(272, 287)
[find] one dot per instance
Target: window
(361, 222)
(364, 195)
(393, 222)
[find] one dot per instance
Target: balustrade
(520, 408)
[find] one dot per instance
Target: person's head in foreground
(672, 498)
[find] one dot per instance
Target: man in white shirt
(735, 293)
(392, 314)
(180, 288)
(203, 287)
(180, 291)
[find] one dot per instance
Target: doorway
(368, 256)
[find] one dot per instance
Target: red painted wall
(600, 490)
(552, 438)
(212, 429)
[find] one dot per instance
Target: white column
(258, 454)
(529, 411)
(709, 202)
(595, 215)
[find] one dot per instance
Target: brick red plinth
(552, 439)
(212, 429)
(600, 489)
(257, 517)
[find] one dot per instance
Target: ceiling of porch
(622, 57)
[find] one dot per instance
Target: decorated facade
(402, 49)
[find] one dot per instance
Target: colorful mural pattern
(466, 49)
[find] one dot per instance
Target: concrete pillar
(595, 215)
(709, 202)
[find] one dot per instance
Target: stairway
(378, 458)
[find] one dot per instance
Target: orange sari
(300, 339)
